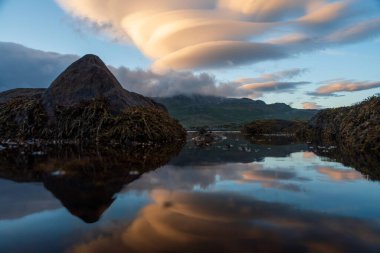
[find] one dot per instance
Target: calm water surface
(232, 197)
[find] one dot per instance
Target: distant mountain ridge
(194, 111)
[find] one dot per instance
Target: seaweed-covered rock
(85, 104)
(94, 120)
(22, 118)
(356, 126)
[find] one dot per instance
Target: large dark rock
(356, 127)
(85, 103)
(89, 78)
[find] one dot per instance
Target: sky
(306, 53)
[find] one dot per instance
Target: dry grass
(87, 122)
(22, 118)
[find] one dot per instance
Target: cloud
(272, 82)
(219, 54)
(364, 30)
(172, 83)
(311, 106)
(203, 34)
(272, 86)
(24, 67)
(341, 85)
(275, 76)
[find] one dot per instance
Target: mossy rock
(87, 122)
(356, 127)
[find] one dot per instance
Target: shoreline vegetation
(355, 127)
(24, 119)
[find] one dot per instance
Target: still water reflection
(234, 196)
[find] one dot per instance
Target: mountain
(194, 111)
(90, 78)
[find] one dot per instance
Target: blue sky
(60, 27)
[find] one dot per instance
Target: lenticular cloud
(201, 34)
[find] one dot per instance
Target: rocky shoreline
(356, 127)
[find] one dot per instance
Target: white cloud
(202, 34)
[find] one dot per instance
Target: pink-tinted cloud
(337, 86)
(311, 106)
(340, 175)
(272, 86)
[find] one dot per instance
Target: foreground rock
(356, 127)
(85, 104)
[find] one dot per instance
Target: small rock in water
(228, 146)
(58, 173)
(38, 153)
(134, 173)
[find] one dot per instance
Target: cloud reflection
(204, 222)
(340, 175)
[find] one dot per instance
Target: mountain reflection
(217, 222)
(84, 180)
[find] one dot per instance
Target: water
(234, 196)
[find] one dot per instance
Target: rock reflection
(217, 222)
(366, 162)
(233, 148)
(84, 180)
